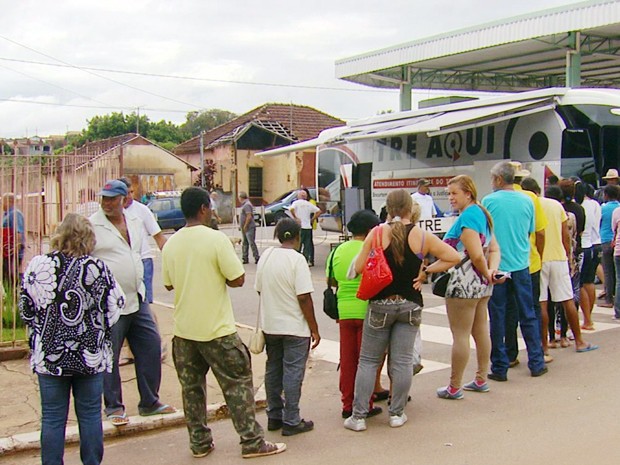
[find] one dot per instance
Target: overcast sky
(276, 42)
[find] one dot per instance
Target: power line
(194, 78)
(119, 107)
(69, 65)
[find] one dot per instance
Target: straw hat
(611, 174)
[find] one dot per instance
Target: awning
(433, 122)
(457, 120)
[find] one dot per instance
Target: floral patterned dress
(69, 304)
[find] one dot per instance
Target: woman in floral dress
(69, 301)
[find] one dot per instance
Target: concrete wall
(152, 160)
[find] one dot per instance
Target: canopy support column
(573, 60)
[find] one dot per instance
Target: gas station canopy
(575, 45)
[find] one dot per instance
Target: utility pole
(138, 122)
(202, 159)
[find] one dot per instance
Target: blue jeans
(392, 327)
(617, 295)
(148, 278)
(512, 318)
(284, 373)
(519, 288)
(55, 391)
(249, 240)
(607, 260)
(141, 332)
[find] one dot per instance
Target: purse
(376, 274)
(330, 299)
(439, 283)
(257, 340)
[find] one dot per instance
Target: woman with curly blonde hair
(394, 314)
(69, 301)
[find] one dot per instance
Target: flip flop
(163, 409)
(588, 348)
(119, 420)
(588, 327)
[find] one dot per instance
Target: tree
(209, 175)
(205, 120)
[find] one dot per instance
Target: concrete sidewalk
(20, 406)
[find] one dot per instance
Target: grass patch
(20, 334)
(10, 316)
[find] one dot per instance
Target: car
(167, 211)
(278, 209)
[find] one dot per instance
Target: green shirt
(349, 306)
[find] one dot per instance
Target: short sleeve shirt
(197, 261)
(349, 306)
(282, 275)
(427, 206)
(472, 218)
(513, 222)
(554, 247)
(247, 209)
(304, 210)
(150, 226)
(607, 210)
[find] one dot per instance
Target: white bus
(561, 131)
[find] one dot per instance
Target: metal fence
(42, 189)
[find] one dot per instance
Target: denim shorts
(382, 315)
(591, 259)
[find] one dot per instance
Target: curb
(137, 424)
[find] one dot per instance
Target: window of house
(255, 187)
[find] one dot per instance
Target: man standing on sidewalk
(513, 220)
(198, 263)
(119, 240)
(305, 213)
(248, 229)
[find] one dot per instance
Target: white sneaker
(355, 424)
(398, 420)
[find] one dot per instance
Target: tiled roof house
(233, 145)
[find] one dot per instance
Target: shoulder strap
(330, 273)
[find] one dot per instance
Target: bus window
(578, 156)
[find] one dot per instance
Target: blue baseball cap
(114, 188)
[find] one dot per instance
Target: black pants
(307, 246)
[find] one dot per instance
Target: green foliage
(205, 120)
(10, 312)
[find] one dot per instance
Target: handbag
(439, 283)
(376, 274)
(257, 340)
(330, 299)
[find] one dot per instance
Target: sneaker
(302, 427)
(444, 393)
(373, 412)
(199, 455)
(397, 421)
(474, 386)
(274, 424)
(355, 424)
(267, 448)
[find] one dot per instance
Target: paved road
(568, 416)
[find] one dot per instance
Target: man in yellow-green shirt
(199, 263)
(537, 245)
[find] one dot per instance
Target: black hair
(554, 192)
(553, 180)
(580, 190)
(125, 181)
(309, 197)
(192, 199)
(530, 184)
(589, 190)
(362, 222)
(612, 192)
(287, 229)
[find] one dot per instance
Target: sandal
(163, 409)
(118, 420)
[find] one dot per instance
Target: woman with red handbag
(394, 312)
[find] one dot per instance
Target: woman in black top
(394, 314)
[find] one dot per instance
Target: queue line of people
(497, 247)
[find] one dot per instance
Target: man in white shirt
(149, 228)
(119, 242)
(424, 198)
(305, 213)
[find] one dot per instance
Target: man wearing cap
(119, 241)
(424, 198)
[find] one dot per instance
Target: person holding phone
(472, 236)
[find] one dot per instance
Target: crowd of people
(515, 258)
